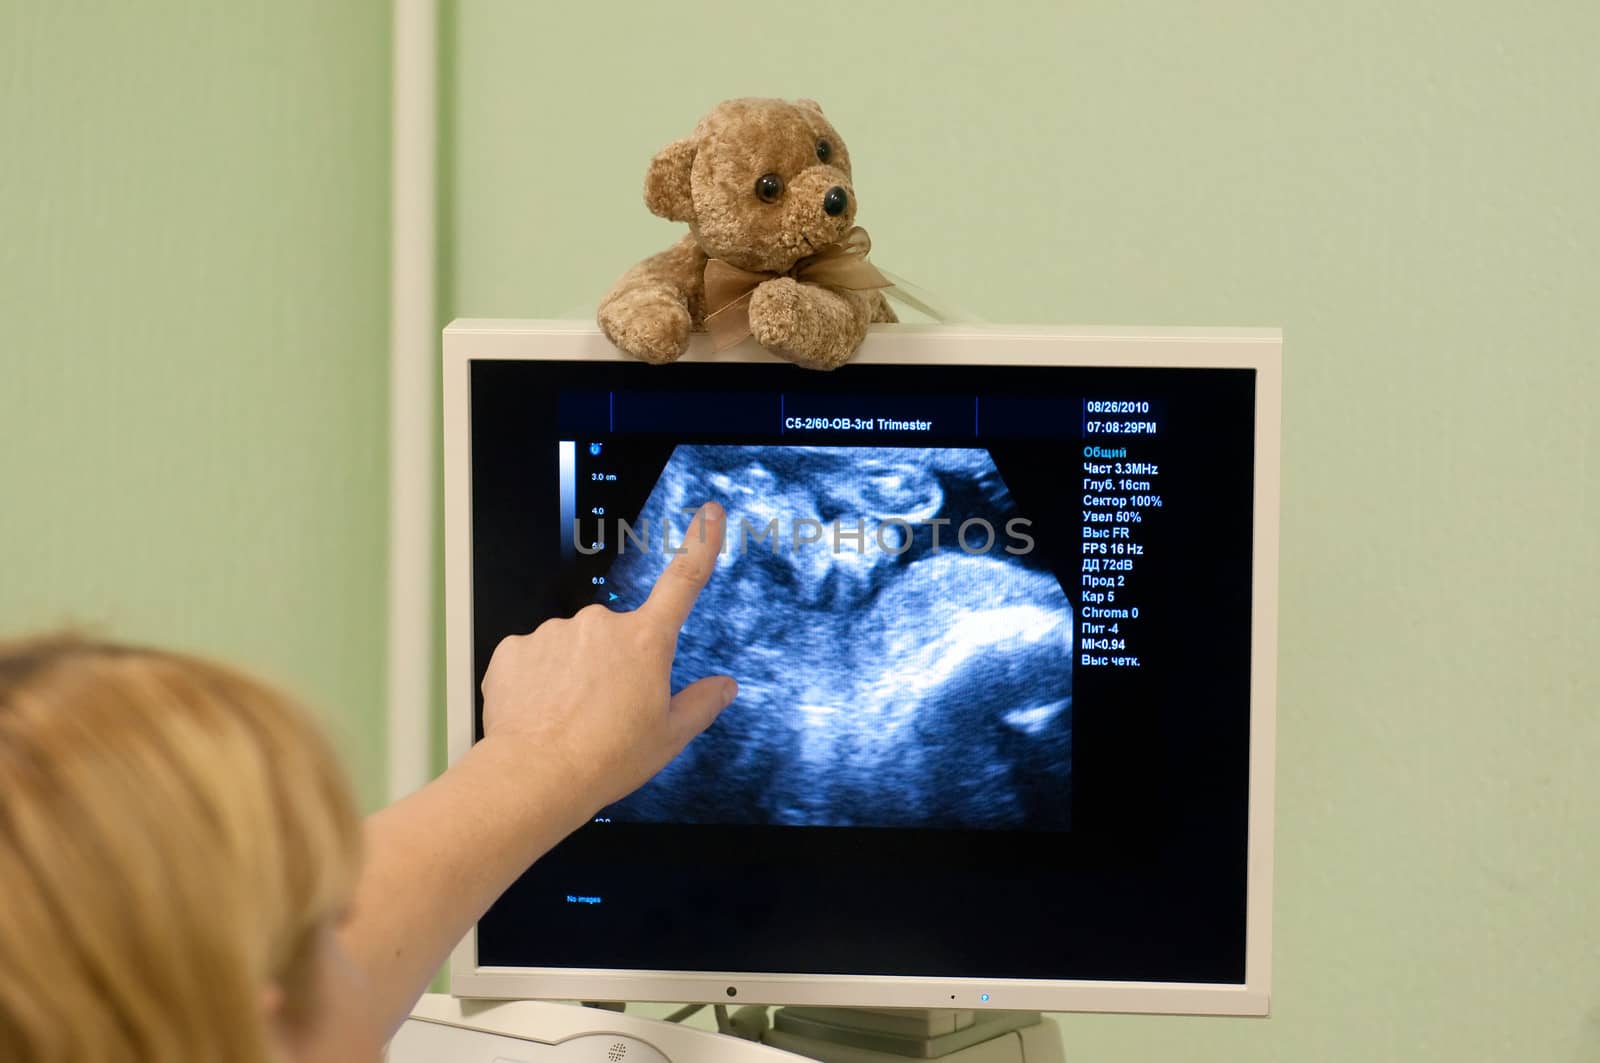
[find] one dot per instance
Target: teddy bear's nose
(835, 202)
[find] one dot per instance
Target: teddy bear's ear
(666, 185)
(810, 104)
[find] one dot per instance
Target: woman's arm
(576, 715)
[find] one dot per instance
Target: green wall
(193, 330)
(1408, 189)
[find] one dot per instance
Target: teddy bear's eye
(824, 151)
(769, 186)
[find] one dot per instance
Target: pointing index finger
(674, 594)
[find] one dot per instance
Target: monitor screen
(995, 630)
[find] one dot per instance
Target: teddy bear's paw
(777, 315)
(650, 325)
(813, 327)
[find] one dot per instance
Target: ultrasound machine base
(444, 1029)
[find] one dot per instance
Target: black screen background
(1149, 885)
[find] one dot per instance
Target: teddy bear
(772, 249)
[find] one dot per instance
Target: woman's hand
(592, 694)
(576, 715)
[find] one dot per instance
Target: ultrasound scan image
(885, 680)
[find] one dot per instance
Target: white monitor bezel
(1258, 349)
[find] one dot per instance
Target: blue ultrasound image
(890, 674)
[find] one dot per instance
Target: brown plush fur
(709, 180)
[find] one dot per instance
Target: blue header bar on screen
(819, 416)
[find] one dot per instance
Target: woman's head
(176, 843)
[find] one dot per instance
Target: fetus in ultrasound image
(886, 679)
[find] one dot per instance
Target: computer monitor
(1002, 605)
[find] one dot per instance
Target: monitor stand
(890, 1035)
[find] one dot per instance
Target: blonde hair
(174, 835)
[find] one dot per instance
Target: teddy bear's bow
(842, 265)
